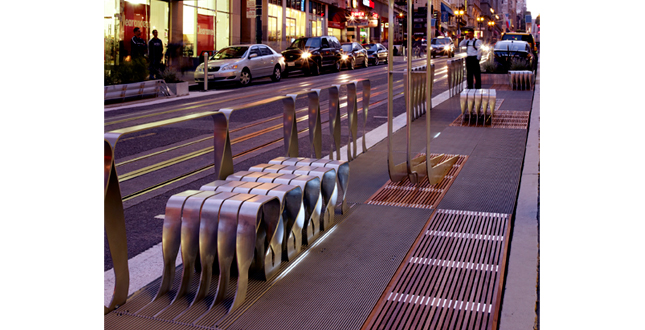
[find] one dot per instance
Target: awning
(446, 9)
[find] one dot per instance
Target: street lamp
(458, 14)
(490, 28)
(480, 22)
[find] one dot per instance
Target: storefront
(206, 26)
(201, 25)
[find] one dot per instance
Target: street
(155, 164)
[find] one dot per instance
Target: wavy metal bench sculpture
(477, 102)
(328, 187)
(292, 213)
(521, 80)
(341, 167)
(213, 226)
(311, 200)
(114, 219)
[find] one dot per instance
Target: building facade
(189, 28)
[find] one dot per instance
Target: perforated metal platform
(452, 278)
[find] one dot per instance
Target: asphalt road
(155, 164)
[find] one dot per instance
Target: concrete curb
(519, 305)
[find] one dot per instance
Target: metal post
(205, 71)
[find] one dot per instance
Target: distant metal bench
(521, 80)
(140, 89)
(476, 102)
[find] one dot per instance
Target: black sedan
(353, 54)
(376, 53)
(512, 54)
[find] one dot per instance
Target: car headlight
(306, 55)
(446, 47)
(200, 68)
(344, 57)
(228, 67)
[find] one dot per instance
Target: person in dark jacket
(138, 46)
(155, 54)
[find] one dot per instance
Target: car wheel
(337, 66)
(245, 77)
(277, 74)
(351, 64)
(376, 61)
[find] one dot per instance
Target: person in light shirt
(473, 55)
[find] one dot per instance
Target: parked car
(376, 53)
(442, 46)
(313, 54)
(242, 64)
(521, 36)
(353, 54)
(507, 51)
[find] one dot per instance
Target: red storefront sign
(335, 25)
(205, 33)
(135, 15)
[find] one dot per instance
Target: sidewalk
(342, 276)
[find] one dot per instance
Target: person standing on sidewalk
(155, 54)
(138, 46)
(473, 55)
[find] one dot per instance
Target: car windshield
(305, 43)
(346, 47)
(371, 47)
(439, 42)
(230, 52)
(510, 46)
(519, 37)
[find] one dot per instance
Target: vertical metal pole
(205, 71)
(428, 91)
(390, 86)
(408, 96)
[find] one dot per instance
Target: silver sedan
(241, 64)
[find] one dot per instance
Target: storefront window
(206, 26)
(296, 21)
(336, 33)
(275, 22)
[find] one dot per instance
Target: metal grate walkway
(422, 195)
(502, 119)
(451, 278)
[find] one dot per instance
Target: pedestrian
(473, 55)
(155, 54)
(138, 46)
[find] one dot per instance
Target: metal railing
(319, 180)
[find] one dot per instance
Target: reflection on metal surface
(334, 121)
(220, 227)
(341, 168)
(352, 121)
(305, 229)
(291, 211)
(114, 219)
(327, 185)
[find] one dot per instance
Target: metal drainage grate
(451, 278)
(422, 195)
(503, 119)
